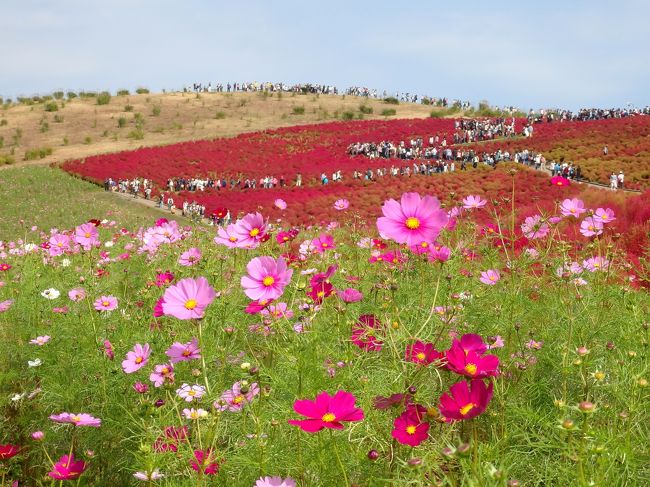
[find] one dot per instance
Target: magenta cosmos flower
(106, 303)
(323, 243)
(86, 235)
(560, 181)
(67, 468)
(205, 462)
(266, 278)
(181, 352)
(463, 402)
(470, 363)
(136, 358)
(473, 201)
(189, 258)
(4, 267)
(490, 277)
(280, 203)
(572, 207)
(341, 204)
(410, 428)
(413, 220)
(534, 227)
(275, 482)
(422, 353)
(81, 419)
(364, 333)
(590, 227)
(188, 298)
(326, 411)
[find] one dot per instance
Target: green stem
(338, 458)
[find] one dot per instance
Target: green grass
(48, 197)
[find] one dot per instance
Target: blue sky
(527, 54)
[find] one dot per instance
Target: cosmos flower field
(469, 338)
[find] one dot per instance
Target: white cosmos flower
(109, 244)
(145, 476)
(30, 247)
(65, 263)
(17, 397)
(34, 363)
(51, 293)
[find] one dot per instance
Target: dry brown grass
(93, 129)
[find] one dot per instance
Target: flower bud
(587, 407)
(38, 435)
(463, 449)
(245, 366)
(568, 424)
(642, 382)
(373, 455)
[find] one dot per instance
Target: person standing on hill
(605, 151)
(621, 179)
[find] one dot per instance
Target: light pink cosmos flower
(251, 229)
(40, 341)
(604, 215)
(162, 373)
(136, 358)
(148, 476)
(59, 244)
(191, 392)
(323, 243)
(77, 294)
(572, 207)
(5, 305)
(413, 220)
(87, 236)
(534, 227)
(280, 203)
(188, 298)
(594, 264)
(350, 295)
(181, 352)
(236, 398)
(194, 414)
(490, 277)
(279, 310)
(590, 227)
(106, 303)
(80, 419)
(275, 482)
(189, 258)
(473, 201)
(341, 204)
(266, 278)
(230, 238)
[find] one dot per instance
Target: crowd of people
(585, 114)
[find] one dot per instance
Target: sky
(566, 54)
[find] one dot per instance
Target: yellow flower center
(254, 232)
(466, 409)
(233, 239)
(470, 369)
(186, 353)
(604, 217)
(164, 371)
(76, 419)
(420, 356)
(412, 223)
(194, 415)
(191, 304)
(410, 429)
(138, 360)
(87, 235)
(268, 281)
(493, 277)
(105, 303)
(191, 392)
(328, 418)
(60, 244)
(238, 400)
(424, 244)
(323, 244)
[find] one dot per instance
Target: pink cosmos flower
(190, 392)
(439, 253)
(67, 468)
(275, 482)
(597, 263)
(77, 294)
(560, 181)
(158, 308)
(279, 310)
(162, 373)
(266, 278)
(464, 403)
(59, 244)
(136, 358)
(326, 411)
(534, 227)
(423, 353)
(164, 279)
(181, 352)
(590, 227)
(572, 207)
(40, 341)
(251, 229)
(5, 305)
(205, 462)
(189, 258)
(280, 203)
(257, 306)
(473, 201)
(364, 333)
(341, 204)
(490, 277)
(87, 236)
(323, 243)
(350, 295)
(173, 437)
(413, 220)
(81, 419)
(410, 428)
(604, 215)
(4, 267)
(471, 363)
(236, 398)
(106, 303)
(108, 350)
(140, 387)
(230, 238)
(188, 298)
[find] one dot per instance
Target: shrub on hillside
(58, 95)
(123, 92)
(51, 106)
(104, 98)
(121, 122)
(71, 95)
(298, 110)
(348, 115)
(388, 112)
(33, 154)
(220, 115)
(142, 91)
(156, 111)
(6, 160)
(365, 109)
(391, 100)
